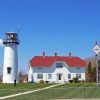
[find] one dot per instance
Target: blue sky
(60, 26)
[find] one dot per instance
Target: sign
(96, 49)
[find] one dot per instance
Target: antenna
(18, 29)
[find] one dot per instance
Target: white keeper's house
(56, 69)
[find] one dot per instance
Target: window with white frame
(69, 76)
(49, 76)
(78, 76)
(39, 76)
(59, 65)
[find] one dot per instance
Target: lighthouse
(10, 68)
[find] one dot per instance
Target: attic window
(9, 70)
(59, 65)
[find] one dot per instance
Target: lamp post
(96, 50)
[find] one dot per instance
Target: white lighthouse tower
(10, 69)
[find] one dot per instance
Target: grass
(65, 91)
(8, 89)
(76, 85)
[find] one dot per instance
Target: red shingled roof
(47, 61)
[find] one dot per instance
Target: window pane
(78, 75)
(39, 76)
(69, 76)
(59, 65)
(49, 76)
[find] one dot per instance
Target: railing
(11, 41)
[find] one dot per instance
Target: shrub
(47, 81)
(41, 81)
(79, 81)
(75, 80)
(83, 81)
(70, 81)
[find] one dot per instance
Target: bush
(70, 81)
(41, 81)
(47, 81)
(75, 80)
(79, 81)
(83, 81)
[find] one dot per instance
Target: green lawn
(76, 85)
(70, 90)
(7, 89)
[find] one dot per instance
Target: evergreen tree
(89, 72)
(94, 74)
(89, 68)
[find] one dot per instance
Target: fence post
(84, 91)
(52, 93)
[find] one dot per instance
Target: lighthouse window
(9, 70)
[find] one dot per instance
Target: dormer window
(59, 65)
(9, 70)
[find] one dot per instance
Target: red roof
(47, 61)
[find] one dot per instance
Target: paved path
(18, 94)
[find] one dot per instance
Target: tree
(89, 72)
(89, 68)
(94, 74)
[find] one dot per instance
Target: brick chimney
(55, 54)
(43, 54)
(70, 54)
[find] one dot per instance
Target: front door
(59, 77)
